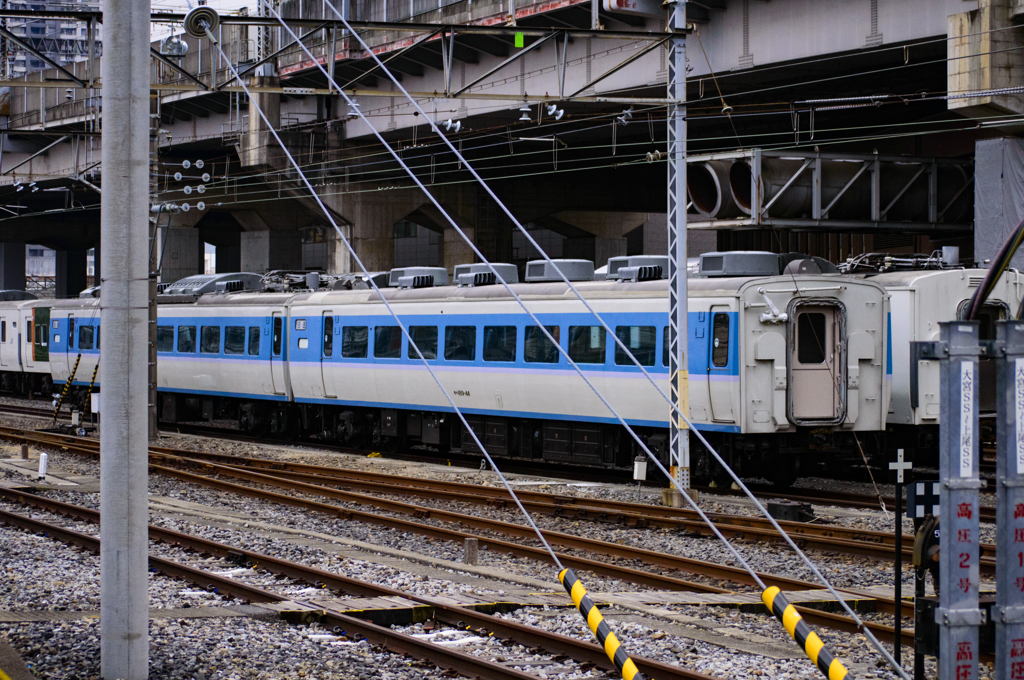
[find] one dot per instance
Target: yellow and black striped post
(88, 393)
(599, 626)
(67, 386)
(796, 626)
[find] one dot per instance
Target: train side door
(815, 377)
(277, 357)
(721, 364)
(5, 329)
(72, 353)
(27, 341)
(327, 350)
(41, 336)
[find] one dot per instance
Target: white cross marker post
(900, 466)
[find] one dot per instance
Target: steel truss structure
(820, 191)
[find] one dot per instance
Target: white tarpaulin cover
(998, 196)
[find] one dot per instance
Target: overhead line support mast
(679, 435)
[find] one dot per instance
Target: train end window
(425, 338)
(3, 331)
(537, 348)
(810, 338)
(71, 333)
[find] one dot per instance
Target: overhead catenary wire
(402, 326)
(615, 337)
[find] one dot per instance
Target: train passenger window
(387, 342)
(810, 331)
(97, 336)
(254, 341)
(425, 337)
(71, 332)
(354, 341)
(186, 339)
(86, 337)
(278, 329)
(328, 335)
(537, 349)
(460, 343)
(164, 338)
(720, 340)
(642, 341)
(664, 346)
(499, 343)
(209, 340)
(234, 340)
(586, 344)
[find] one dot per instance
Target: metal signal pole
(679, 438)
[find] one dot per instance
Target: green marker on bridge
(519, 40)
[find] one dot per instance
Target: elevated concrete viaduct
(924, 79)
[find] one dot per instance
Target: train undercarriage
(779, 458)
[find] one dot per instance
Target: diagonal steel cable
(861, 626)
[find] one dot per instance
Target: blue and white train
(788, 361)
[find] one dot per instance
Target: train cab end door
(277, 354)
(329, 329)
(815, 368)
(721, 364)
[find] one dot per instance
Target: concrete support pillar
(258, 143)
(339, 259)
(229, 259)
(985, 56)
(264, 251)
(124, 372)
(180, 254)
(12, 266)
(71, 273)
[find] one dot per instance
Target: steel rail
(453, 615)
(722, 572)
(713, 570)
(834, 621)
(864, 543)
(444, 657)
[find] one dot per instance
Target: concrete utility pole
(679, 385)
(124, 230)
(154, 256)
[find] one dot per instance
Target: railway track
(813, 496)
(587, 546)
(466, 664)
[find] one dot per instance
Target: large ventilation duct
(708, 186)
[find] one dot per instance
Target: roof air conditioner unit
(420, 281)
(575, 270)
(507, 271)
(439, 275)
